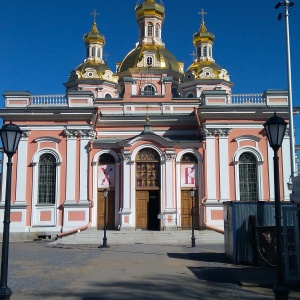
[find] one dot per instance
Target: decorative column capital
(25, 134)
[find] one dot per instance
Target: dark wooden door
(110, 210)
(186, 210)
(142, 198)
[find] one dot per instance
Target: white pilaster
(169, 182)
(83, 173)
(127, 218)
(71, 165)
(211, 166)
(224, 166)
(21, 169)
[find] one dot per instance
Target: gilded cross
(95, 14)
(202, 13)
(194, 55)
(105, 55)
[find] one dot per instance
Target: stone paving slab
(43, 270)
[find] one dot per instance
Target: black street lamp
(192, 194)
(275, 128)
(105, 194)
(10, 137)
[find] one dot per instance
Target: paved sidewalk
(43, 270)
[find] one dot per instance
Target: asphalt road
(39, 270)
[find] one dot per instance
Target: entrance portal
(147, 210)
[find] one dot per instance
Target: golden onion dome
(203, 35)
(93, 70)
(164, 59)
(148, 8)
(208, 70)
(94, 36)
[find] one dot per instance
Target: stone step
(143, 237)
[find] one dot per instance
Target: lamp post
(192, 194)
(105, 194)
(287, 4)
(10, 137)
(275, 128)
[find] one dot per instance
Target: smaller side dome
(203, 35)
(204, 66)
(148, 8)
(94, 36)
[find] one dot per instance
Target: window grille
(106, 159)
(147, 169)
(149, 90)
(47, 179)
(93, 51)
(188, 158)
(98, 52)
(248, 177)
(149, 61)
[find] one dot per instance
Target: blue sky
(41, 41)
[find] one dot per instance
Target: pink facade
(148, 133)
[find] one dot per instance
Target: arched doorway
(106, 179)
(189, 179)
(147, 189)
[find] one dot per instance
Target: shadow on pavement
(204, 257)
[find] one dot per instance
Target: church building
(148, 132)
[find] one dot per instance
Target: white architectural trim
(84, 169)
(71, 168)
(21, 178)
(132, 187)
(224, 168)
(211, 168)
(38, 208)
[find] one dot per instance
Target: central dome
(163, 59)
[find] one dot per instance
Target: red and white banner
(189, 175)
(106, 176)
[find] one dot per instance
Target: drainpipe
(82, 228)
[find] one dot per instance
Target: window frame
(248, 177)
(46, 173)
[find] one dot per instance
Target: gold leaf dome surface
(166, 59)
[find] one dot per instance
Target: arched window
(190, 95)
(147, 168)
(93, 51)
(175, 93)
(149, 61)
(199, 52)
(98, 52)
(47, 179)
(106, 159)
(108, 96)
(157, 31)
(150, 29)
(205, 51)
(248, 177)
(188, 158)
(149, 90)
